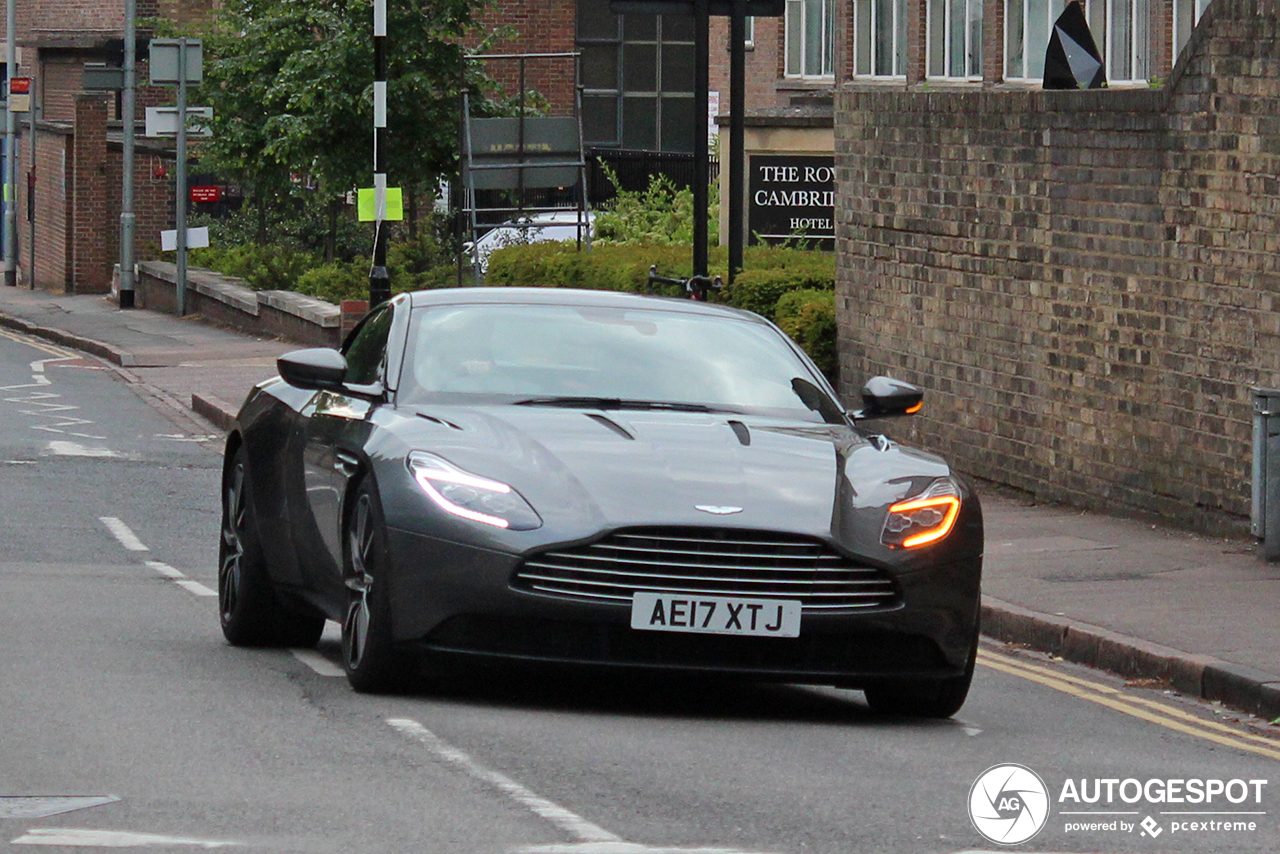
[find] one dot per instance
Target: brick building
(77, 143)
(1086, 282)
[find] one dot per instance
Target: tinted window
(367, 352)
(524, 351)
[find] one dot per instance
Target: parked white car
(536, 228)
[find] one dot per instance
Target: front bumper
(457, 602)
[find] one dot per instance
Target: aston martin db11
(564, 477)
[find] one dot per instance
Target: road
(129, 723)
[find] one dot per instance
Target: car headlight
(471, 496)
(924, 518)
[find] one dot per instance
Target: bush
(809, 317)
(605, 267)
(773, 272)
(336, 282)
(263, 268)
(662, 215)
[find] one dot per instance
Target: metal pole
(126, 171)
(10, 154)
(181, 209)
(379, 278)
(31, 190)
(737, 99)
(701, 170)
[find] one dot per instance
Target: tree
(291, 86)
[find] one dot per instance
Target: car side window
(367, 352)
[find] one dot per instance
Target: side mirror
(885, 397)
(314, 369)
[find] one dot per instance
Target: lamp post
(10, 154)
(126, 184)
(379, 279)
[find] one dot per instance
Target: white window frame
(797, 39)
(1128, 60)
(972, 38)
(867, 32)
(1032, 55)
(1182, 10)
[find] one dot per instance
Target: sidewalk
(1122, 595)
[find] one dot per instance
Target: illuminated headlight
(924, 519)
(471, 496)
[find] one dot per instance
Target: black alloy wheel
(369, 655)
(248, 609)
(938, 698)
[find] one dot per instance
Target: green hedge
(795, 288)
(809, 317)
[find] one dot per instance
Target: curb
(114, 355)
(214, 410)
(1244, 688)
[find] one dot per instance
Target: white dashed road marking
(591, 838)
(317, 662)
(121, 532)
(75, 449)
(84, 838)
(568, 821)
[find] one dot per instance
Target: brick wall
(1087, 283)
(541, 26)
(91, 222)
(52, 164)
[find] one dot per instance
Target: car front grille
(708, 562)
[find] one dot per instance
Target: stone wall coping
(230, 291)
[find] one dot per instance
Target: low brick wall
(226, 301)
(1087, 283)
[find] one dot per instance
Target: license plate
(715, 615)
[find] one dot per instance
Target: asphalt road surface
(127, 722)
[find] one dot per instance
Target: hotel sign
(792, 196)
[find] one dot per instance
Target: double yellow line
(1142, 708)
(43, 347)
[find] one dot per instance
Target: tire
(935, 698)
(248, 609)
(373, 662)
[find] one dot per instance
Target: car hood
(596, 469)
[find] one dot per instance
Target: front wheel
(936, 698)
(248, 609)
(373, 662)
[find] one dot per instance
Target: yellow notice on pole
(365, 208)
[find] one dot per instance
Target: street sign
(163, 121)
(164, 61)
(206, 194)
(100, 77)
(197, 238)
(20, 95)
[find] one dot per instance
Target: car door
(335, 424)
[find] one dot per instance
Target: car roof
(573, 297)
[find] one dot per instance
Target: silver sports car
(586, 478)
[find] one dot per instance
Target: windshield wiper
(572, 402)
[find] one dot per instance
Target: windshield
(605, 357)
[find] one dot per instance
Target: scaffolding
(522, 153)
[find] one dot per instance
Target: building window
(637, 79)
(955, 39)
(1122, 31)
(880, 38)
(1186, 14)
(1027, 25)
(811, 44)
